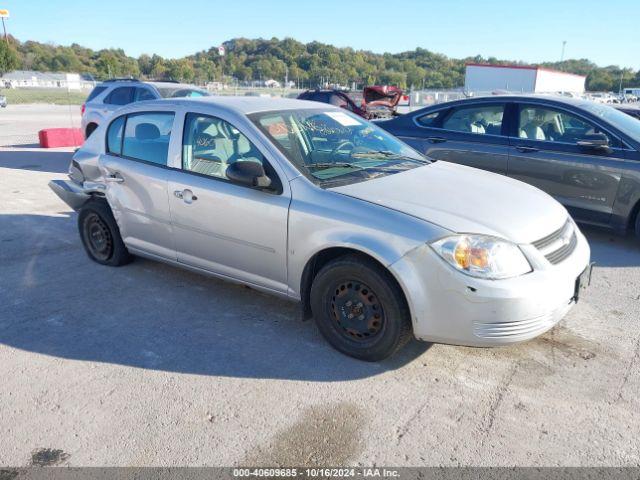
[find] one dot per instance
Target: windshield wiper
(333, 164)
(387, 154)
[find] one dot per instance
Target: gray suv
(110, 95)
(585, 154)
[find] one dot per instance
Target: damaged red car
(377, 101)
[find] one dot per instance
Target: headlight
(483, 256)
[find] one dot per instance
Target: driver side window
(211, 144)
(550, 125)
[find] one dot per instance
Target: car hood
(382, 96)
(465, 200)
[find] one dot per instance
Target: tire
(360, 309)
(90, 129)
(100, 234)
(638, 225)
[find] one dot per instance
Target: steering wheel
(342, 145)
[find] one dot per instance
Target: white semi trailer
(484, 78)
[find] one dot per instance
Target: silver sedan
(309, 202)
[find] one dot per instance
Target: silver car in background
(110, 95)
(314, 204)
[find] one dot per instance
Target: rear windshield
(175, 92)
(95, 92)
(622, 121)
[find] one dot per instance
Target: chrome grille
(557, 246)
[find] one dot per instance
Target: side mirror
(248, 173)
(594, 141)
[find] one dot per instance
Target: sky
(531, 31)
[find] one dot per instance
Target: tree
(314, 63)
(8, 57)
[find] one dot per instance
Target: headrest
(147, 131)
(244, 145)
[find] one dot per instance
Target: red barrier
(60, 137)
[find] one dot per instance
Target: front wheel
(360, 309)
(100, 234)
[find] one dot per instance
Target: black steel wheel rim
(356, 312)
(98, 237)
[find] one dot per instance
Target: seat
(531, 125)
(147, 144)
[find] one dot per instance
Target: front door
(220, 226)
(136, 175)
(548, 154)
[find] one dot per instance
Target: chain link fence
(29, 110)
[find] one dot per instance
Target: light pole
(4, 14)
(564, 44)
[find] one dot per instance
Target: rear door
(136, 174)
(472, 135)
(230, 229)
(545, 152)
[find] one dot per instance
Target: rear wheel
(100, 234)
(360, 309)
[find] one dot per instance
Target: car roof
(134, 81)
(247, 105)
(532, 97)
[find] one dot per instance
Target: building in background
(33, 79)
(521, 79)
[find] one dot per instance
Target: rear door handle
(524, 149)
(436, 140)
(114, 178)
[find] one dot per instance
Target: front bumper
(450, 307)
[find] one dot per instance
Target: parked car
(337, 98)
(312, 203)
(3, 101)
(112, 94)
(632, 109)
(382, 100)
(375, 102)
(586, 155)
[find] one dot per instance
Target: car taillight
(82, 109)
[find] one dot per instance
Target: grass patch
(53, 96)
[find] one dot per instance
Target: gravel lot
(151, 365)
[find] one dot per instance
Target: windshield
(622, 121)
(334, 148)
(175, 92)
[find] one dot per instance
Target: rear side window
(428, 120)
(120, 96)
(482, 120)
(114, 136)
(143, 94)
(146, 137)
(95, 92)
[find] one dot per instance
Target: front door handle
(185, 195)
(114, 178)
(524, 149)
(436, 140)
